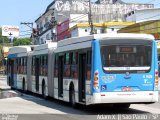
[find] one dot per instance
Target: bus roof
(105, 36)
(20, 49)
(46, 46)
(43, 49)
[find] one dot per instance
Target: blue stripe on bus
(12, 55)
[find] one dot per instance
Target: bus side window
(159, 69)
(89, 60)
(42, 65)
(74, 69)
(67, 65)
(56, 66)
(46, 65)
(19, 65)
(33, 65)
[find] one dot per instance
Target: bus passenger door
(37, 73)
(82, 71)
(60, 76)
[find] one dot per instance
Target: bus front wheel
(72, 98)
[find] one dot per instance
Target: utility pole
(90, 18)
(10, 37)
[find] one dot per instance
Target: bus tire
(122, 106)
(43, 90)
(9, 81)
(23, 85)
(72, 99)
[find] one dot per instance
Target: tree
(22, 41)
(3, 39)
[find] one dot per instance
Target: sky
(13, 12)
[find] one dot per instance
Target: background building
(44, 26)
(108, 27)
(143, 15)
(63, 30)
(148, 27)
(78, 11)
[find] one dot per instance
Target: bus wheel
(122, 106)
(72, 97)
(43, 90)
(23, 85)
(9, 82)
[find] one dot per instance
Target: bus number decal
(108, 79)
(147, 76)
(147, 83)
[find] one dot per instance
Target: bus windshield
(131, 57)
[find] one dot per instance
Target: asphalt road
(27, 107)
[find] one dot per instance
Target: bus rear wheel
(9, 81)
(23, 85)
(121, 106)
(43, 90)
(72, 98)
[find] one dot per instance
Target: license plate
(126, 89)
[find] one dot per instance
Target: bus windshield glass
(126, 56)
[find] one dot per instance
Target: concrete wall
(143, 15)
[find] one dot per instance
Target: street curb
(5, 88)
(8, 94)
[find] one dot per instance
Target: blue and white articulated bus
(17, 67)
(107, 68)
(119, 69)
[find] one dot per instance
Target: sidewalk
(5, 90)
(3, 83)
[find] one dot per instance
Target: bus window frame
(113, 42)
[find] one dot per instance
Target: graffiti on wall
(81, 6)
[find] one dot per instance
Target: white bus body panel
(88, 92)
(66, 85)
(41, 78)
(56, 87)
(20, 78)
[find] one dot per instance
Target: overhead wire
(25, 35)
(26, 31)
